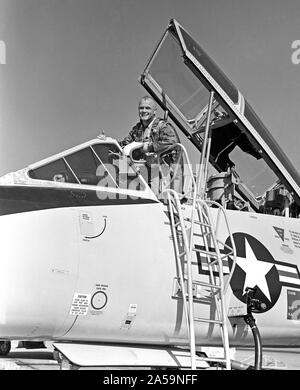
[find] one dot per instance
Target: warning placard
(293, 304)
(295, 238)
(80, 304)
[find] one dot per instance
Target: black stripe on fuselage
(19, 199)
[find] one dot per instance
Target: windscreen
(97, 165)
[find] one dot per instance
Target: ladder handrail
(179, 267)
(189, 283)
(222, 209)
(185, 154)
(201, 178)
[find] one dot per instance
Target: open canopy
(180, 77)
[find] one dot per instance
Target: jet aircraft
(93, 260)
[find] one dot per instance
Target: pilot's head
(147, 110)
(60, 177)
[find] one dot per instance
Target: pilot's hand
(145, 147)
(114, 154)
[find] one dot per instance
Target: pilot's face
(59, 177)
(147, 110)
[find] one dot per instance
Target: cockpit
(91, 165)
(98, 165)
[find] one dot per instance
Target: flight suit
(159, 136)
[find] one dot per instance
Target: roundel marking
(255, 268)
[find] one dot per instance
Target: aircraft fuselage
(107, 272)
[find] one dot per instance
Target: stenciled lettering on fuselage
(256, 268)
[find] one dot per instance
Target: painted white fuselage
(107, 273)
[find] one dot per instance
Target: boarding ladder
(184, 233)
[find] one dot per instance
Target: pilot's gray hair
(148, 97)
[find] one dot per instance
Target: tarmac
(29, 359)
(43, 359)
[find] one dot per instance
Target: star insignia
(256, 271)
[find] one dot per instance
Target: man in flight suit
(157, 137)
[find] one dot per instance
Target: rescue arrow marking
(98, 235)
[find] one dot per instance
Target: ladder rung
(204, 284)
(199, 223)
(212, 254)
(212, 359)
(198, 235)
(214, 262)
(227, 254)
(219, 322)
(206, 234)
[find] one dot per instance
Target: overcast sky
(72, 66)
